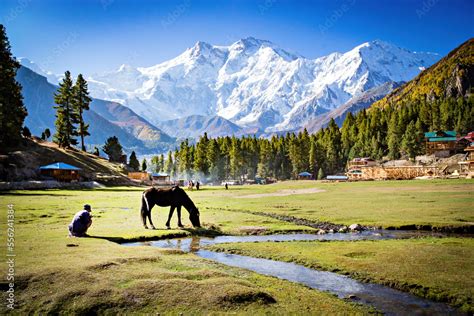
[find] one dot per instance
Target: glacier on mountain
(255, 83)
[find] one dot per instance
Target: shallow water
(388, 300)
(194, 243)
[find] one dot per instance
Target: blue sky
(92, 36)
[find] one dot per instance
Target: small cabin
(140, 176)
(357, 163)
(60, 171)
(161, 179)
(467, 165)
(441, 143)
(465, 141)
(305, 175)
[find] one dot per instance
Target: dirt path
(284, 192)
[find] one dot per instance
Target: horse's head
(194, 217)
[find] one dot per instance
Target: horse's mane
(187, 202)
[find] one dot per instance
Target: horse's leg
(169, 217)
(143, 213)
(149, 217)
(178, 209)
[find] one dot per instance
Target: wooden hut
(161, 179)
(465, 141)
(305, 175)
(441, 143)
(139, 175)
(60, 171)
(467, 165)
(357, 163)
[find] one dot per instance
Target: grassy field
(438, 203)
(56, 273)
(437, 268)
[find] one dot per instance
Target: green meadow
(54, 273)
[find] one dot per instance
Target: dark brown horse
(174, 197)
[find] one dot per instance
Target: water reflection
(388, 300)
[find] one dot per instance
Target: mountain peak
(252, 43)
(254, 82)
(125, 67)
(201, 45)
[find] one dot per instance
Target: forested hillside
(440, 98)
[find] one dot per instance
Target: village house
(161, 179)
(139, 175)
(354, 167)
(465, 141)
(305, 175)
(361, 162)
(60, 171)
(441, 143)
(467, 165)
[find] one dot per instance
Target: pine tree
(185, 159)
(169, 163)
(235, 158)
(410, 143)
(26, 132)
(313, 163)
(66, 117)
(320, 174)
(200, 158)
(81, 101)
(393, 137)
(332, 141)
(144, 166)
(47, 133)
(12, 109)
(96, 151)
(348, 135)
(215, 161)
(133, 162)
(161, 163)
(263, 168)
(155, 163)
(113, 149)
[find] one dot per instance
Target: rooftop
(59, 166)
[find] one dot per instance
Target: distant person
(81, 222)
(226, 186)
(197, 185)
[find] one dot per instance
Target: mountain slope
(452, 76)
(354, 105)
(196, 125)
(254, 83)
(23, 161)
(133, 131)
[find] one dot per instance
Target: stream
(383, 298)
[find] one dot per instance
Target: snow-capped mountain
(52, 78)
(254, 83)
(105, 118)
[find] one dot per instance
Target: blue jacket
(80, 222)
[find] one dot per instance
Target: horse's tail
(145, 203)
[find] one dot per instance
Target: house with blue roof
(441, 143)
(305, 175)
(60, 171)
